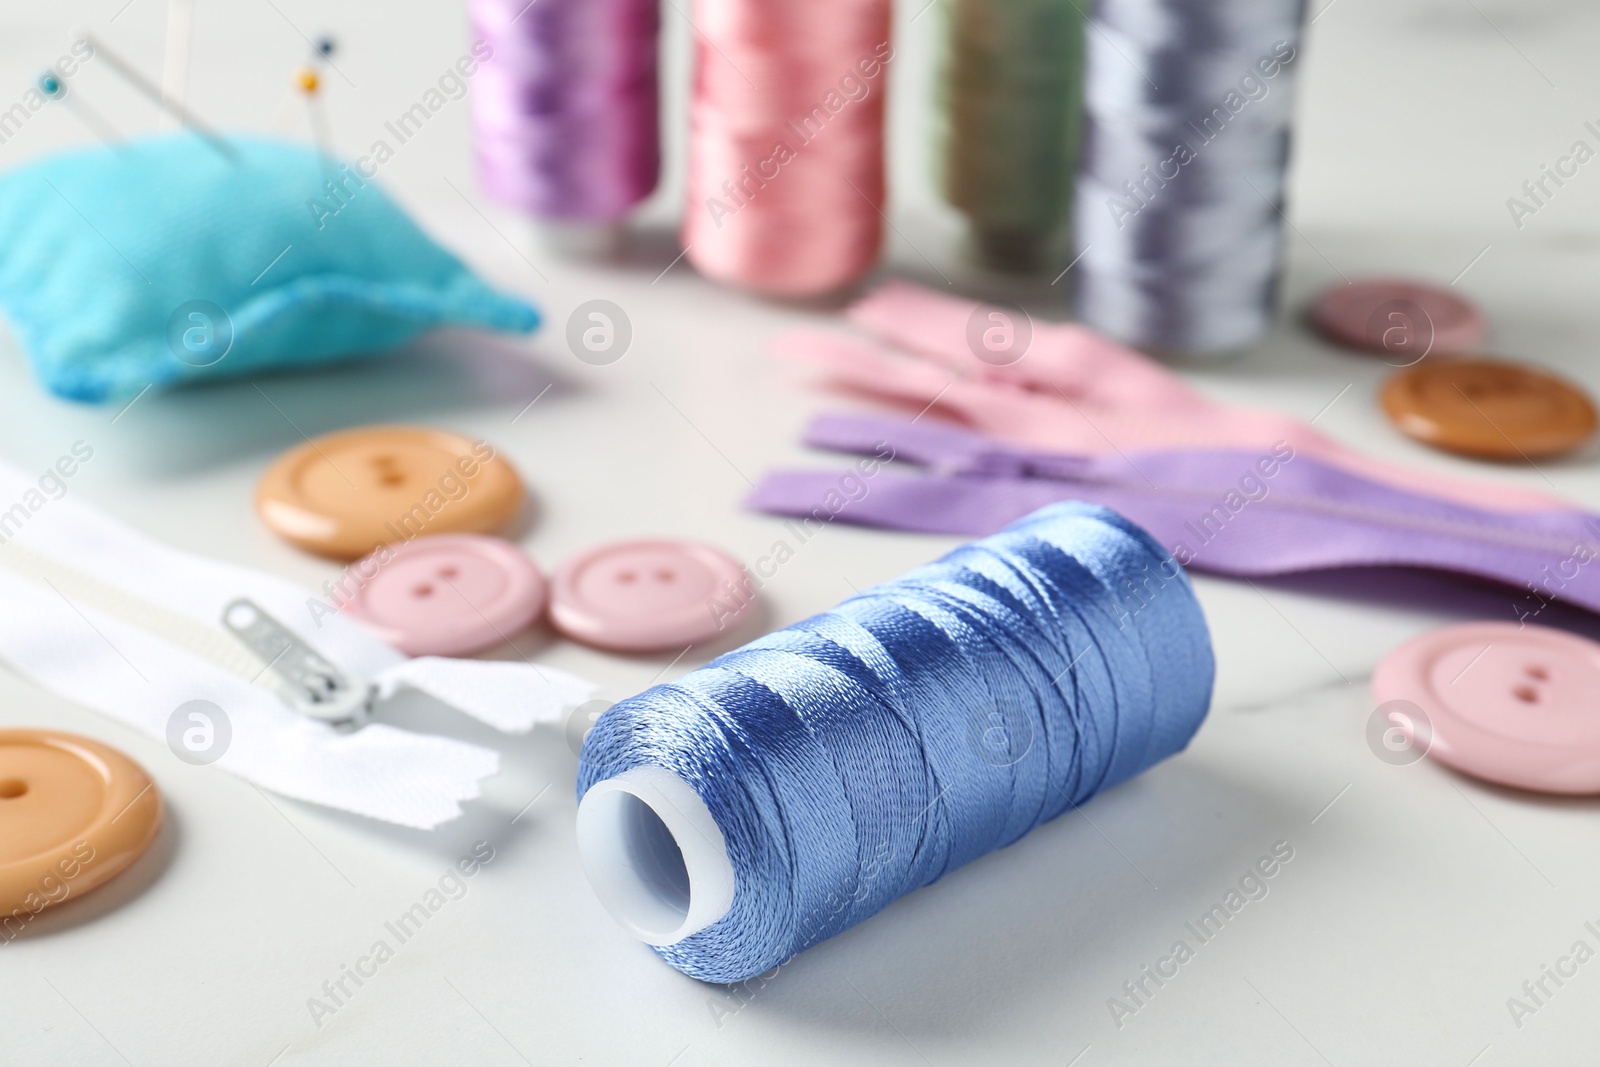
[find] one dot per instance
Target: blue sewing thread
(864, 753)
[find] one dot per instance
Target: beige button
(73, 814)
(345, 494)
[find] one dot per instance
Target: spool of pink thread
(565, 110)
(786, 176)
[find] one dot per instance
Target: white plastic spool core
(655, 856)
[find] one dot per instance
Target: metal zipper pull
(305, 681)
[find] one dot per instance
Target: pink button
(1404, 319)
(645, 596)
(447, 595)
(1515, 705)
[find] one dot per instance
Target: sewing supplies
(794, 787)
(1181, 182)
(74, 814)
(565, 112)
(1241, 513)
(1406, 320)
(1011, 99)
(170, 106)
(306, 84)
(308, 80)
(158, 261)
(645, 596)
(418, 500)
(53, 86)
(447, 594)
(1488, 409)
(344, 494)
(786, 172)
(1500, 701)
(282, 681)
(302, 677)
(1074, 391)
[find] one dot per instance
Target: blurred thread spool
(1178, 226)
(786, 174)
(1012, 96)
(564, 110)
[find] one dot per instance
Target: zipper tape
(117, 621)
(1229, 512)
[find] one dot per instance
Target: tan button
(73, 815)
(1490, 410)
(345, 494)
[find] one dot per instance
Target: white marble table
(1415, 904)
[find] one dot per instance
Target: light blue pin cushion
(165, 260)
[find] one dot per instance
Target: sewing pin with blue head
(144, 85)
(52, 86)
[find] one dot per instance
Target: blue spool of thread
(794, 787)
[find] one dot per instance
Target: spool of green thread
(1013, 90)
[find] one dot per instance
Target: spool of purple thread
(565, 112)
